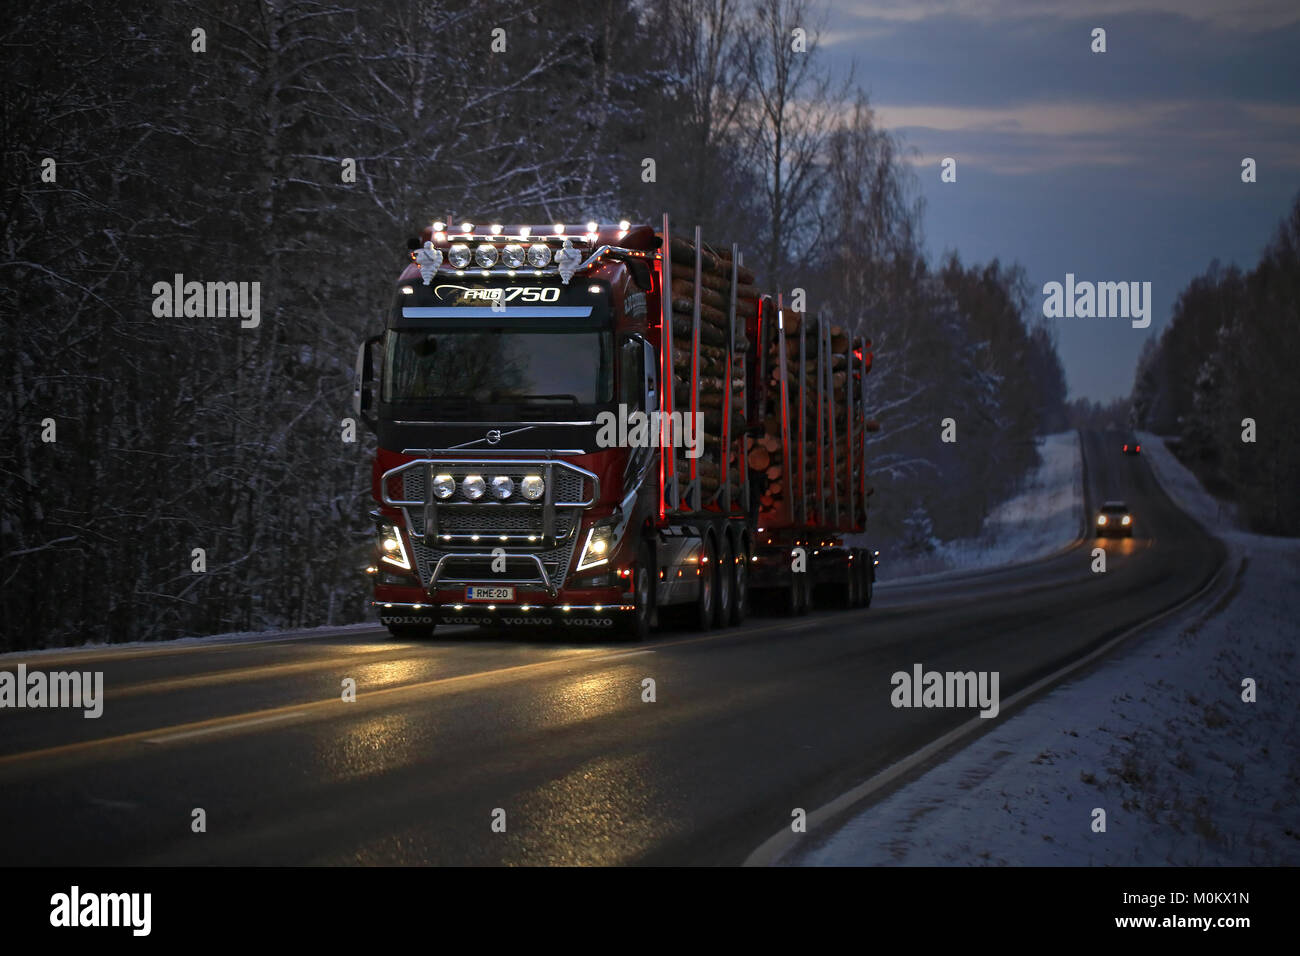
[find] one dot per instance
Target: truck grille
(489, 519)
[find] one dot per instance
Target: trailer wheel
(798, 595)
(724, 574)
(854, 587)
(740, 587)
(703, 615)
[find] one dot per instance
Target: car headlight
(486, 255)
(444, 486)
(391, 549)
(458, 255)
(1127, 520)
(473, 487)
(539, 254)
(502, 487)
(532, 487)
(513, 255)
(1101, 519)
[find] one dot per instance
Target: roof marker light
(624, 225)
(496, 228)
(559, 228)
(524, 231)
(593, 226)
(467, 227)
(439, 225)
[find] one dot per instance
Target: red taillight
(1126, 447)
(1139, 447)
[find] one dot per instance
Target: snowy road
(555, 742)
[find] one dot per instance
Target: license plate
(489, 594)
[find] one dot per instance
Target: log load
(764, 452)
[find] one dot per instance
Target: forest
(170, 475)
(1222, 380)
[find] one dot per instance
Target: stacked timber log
(715, 291)
(818, 468)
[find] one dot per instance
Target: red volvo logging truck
(585, 427)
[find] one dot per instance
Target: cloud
(1236, 14)
(1196, 137)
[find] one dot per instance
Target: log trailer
(585, 427)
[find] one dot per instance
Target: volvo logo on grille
(493, 436)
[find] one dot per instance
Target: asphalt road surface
(748, 723)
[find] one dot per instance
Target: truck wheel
(853, 587)
(635, 625)
(724, 574)
(868, 582)
(740, 588)
(702, 618)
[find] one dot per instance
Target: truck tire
(740, 588)
(724, 574)
(868, 579)
(636, 625)
(702, 614)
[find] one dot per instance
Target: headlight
(486, 255)
(1127, 520)
(532, 487)
(600, 543)
(391, 549)
(458, 255)
(473, 487)
(502, 487)
(444, 486)
(513, 255)
(1101, 519)
(539, 254)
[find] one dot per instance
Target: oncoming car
(1114, 519)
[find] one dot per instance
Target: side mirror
(363, 384)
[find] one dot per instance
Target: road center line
(236, 725)
(614, 657)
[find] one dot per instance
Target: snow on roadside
(1158, 736)
(1044, 517)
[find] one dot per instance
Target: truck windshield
(458, 372)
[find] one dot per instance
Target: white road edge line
(167, 738)
(783, 841)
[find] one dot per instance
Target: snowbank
(1160, 738)
(1043, 518)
